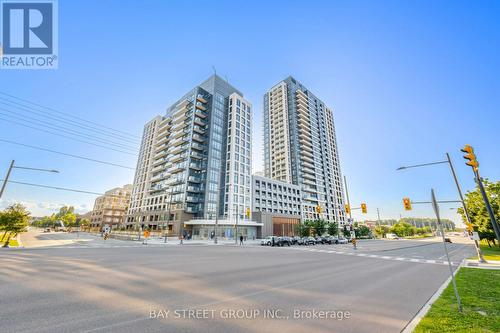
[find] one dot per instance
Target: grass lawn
(479, 291)
(418, 236)
(490, 253)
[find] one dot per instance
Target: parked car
(46, 230)
(391, 236)
(320, 240)
(330, 240)
(282, 241)
(300, 241)
(268, 241)
(342, 240)
(309, 240)
(295, 240)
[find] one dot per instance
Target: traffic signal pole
(351, 222)
(471, 157)
(466, 213)
(347, 196)
(488, 206)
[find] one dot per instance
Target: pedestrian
(272, 241)
(354, 243)
(241, 239)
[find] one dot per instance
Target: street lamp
(452, 169)
(13, 166)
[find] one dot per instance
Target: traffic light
(363, 208)
(469, 227)
(407, 203)
(470, 156)
(248, 212)
(318, 209)
(347, 209)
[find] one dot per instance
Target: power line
(65, 154)
(69, 115)
(60, 119)
(67, 137)
(59, 188)
(62, 129)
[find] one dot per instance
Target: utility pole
(378, 217)
(11, 166)
(236, 228)
(168, 218)
(216, 225)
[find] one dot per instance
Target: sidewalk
(491, 264)
(176, 241)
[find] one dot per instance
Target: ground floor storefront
(224, 229)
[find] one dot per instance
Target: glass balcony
(198, 138)
(194, 179)
(201, 99)
(195, 166)
(196, 155)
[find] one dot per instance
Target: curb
(426, 307)
(491, 264)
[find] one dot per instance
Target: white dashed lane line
(375, 256)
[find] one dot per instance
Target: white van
(391, 236)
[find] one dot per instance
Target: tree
(303, 229)
(14, 220)
(67, 216)
(319, 227)
(333, 228)
(346, 232)
(477, 209)
(84, 223)
(310, 225)
(402, 229)
(382, 230)
(362, 231)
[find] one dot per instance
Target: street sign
(475, 236)
(436, 210)
(435, 206)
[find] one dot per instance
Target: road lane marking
(374, 256)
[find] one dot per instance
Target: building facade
(300, 147)
(277, 205)
(111, 208)
(195, 162)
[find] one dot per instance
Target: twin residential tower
(193, 175)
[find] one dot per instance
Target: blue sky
(408, 81)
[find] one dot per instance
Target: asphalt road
(377, 288)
